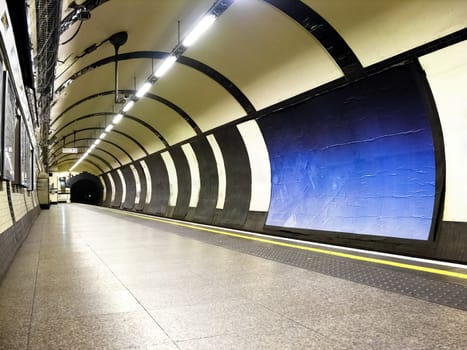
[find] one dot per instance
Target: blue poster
(357, 160)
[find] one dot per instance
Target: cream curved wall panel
(147, 175)
(96, 80)
(446, 71)
(222, 181)
(142, 134)
(137, 184)
(101, 103)
(194, 173)
(165, 120)
(19, 204)
(128, 145)
(5, 216)
(146, 33)
(122, 180)
(376, 30)
(173, 180)
(104, 188)
(105, 156)
(112, 188)
(259, 164)
(202, 98)
(265, 53)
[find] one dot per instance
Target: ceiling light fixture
(117, 118)
(200, 28)
(165, 66)
(216, 10)
(145, 88)
(128, 106)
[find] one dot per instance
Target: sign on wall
(70, 150)
(9, 128)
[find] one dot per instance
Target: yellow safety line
(310, 249)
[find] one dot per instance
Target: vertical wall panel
(447, 74)
(173, 180)
(238, 176)
(104, 188)
(137, 181)
(259, 165)
(208, 195)
(110, 188)
(116, 185)
(222, 178)
(145, 186)
(122, 187)
(183, 181)
(160, 189)
(129, 179)
(194, 174)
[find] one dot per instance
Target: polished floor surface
(90, 279)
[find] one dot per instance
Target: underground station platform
(97, 278)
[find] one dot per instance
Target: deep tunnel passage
(85, 189)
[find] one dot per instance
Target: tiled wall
(29, 200)
(5, 216)
(19, 204)
(14, 229)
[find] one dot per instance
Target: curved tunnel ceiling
(257, 54)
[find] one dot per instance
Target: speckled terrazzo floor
(85, 279)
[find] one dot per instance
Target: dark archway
(85, 188)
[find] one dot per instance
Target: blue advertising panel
(357, 160)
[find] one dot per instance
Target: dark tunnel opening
(86, 191)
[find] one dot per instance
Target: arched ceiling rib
(324, 33)
(72, 159)
(192, 63)
(160, 99)
(82, 143)
(118, 137)
(99, 159)
(257, 54)
(384, 28)
(105, 115)
(114, 148)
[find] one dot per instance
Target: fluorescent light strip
(190, 39)
(200, 28)
(145, 88)
(165, 66)
(128, 106)
(117, 118)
